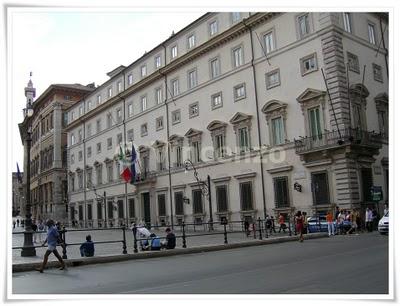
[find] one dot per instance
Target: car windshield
(387, 214)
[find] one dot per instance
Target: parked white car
(383, 225)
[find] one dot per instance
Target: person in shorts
(52, 238)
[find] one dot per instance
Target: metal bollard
(124, 240)
(266, 229)
(183, 235)
(134, 230)
(225, 234)
(290, 228)
(64, 245)
(254, 231)
(259, 228)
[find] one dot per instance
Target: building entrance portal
(146, 208)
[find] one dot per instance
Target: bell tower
(30, 91)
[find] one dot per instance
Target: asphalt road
(340, 264)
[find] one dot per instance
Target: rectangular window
(131, 208)
(72, 139)
(191, 41)
(80, 156)
(214, 68)
(98, 147)
(110, 172)
(129, 135)
(179, 203)
(158, 96)
(109, 120)
(353, 62)
(194, 110)
(119, 138)
(80, 180)
(269, 42)
(89, 211)
(347, 22)
(197, 201)
(120, 204)
(157, 61)
(219, 145)
(213, 27)
(99, 210)
(308, 64)
(89, 130)
(110, 92)
(272, 79)
(89, 105)
(143, 103)
(89, 177)
(237, 57)
(80, 110)
(371, 33)
(119, 115)
(130, 79)
(130, 110)
(377, 70)
(98, 125)
(79, 135)
(119, 86)
(246, 196)
(110, 208)
(239, 92)
(235, 17)
(109, 143)
(320, 188)
(98, 99)
(89, 151)
(192, 78)
(304, 25)
(278, 134)
(143, 129)
(196, 151)
(161, 205)
(216, 101)
(315, 123)
(143, 71)
(244, 139)
(99, 174)
(174, 51)
(175, 87)
(159, 123)
(179, 156)
(281, 192)
(176, 116)
(222, 198)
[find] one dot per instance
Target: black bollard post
(254, 230)
(183, 235)
(290, 228)
(266, 228)
(225, 234)
(134, 230)
(259, 228)
(124, 240)
(64, 244)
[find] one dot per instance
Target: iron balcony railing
(334, 139)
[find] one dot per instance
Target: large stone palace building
(284, 112)
(48, 153)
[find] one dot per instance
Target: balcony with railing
(339, 138)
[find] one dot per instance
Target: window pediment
(382, 100)
(143, 149)
(239, 117)
(216, 124)
(310, 94)
(193, 132)
(359, 90)
(274, 108)
(175, 138)
(158, 144)
(107, 160)
(96, 163)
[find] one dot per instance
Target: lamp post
(205, 187)
(28, 248)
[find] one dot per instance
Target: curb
(116, 258)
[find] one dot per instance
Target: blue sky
(64, 46)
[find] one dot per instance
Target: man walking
(52, 238)
(368, 219)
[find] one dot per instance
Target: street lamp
(28, 248)
(205, 187)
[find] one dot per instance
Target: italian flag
(126, 174)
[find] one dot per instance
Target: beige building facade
(284, 112)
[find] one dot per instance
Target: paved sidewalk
(207, 239)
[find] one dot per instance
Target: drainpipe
(257, 117)
(168, 146)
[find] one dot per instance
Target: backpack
(155, 243)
